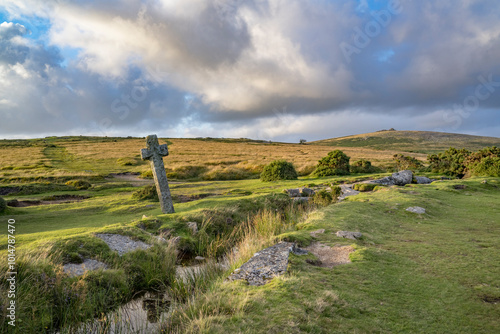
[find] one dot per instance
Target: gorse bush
(322, 198)
(363, 166)
(460, 163)
(404, 162)
(335, 163)
(278, 170)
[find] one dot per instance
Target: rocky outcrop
(349, 235)
(73, 269)
(266, 264)
(423, 180)
(402, 178)
(121, 243)
(416, 209)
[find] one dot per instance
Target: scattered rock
(347, 191)
(315, 233)
(330, 256)
(403, 178)
(484, 182)
(121, 243)
(193, 226)
(349, 235)
(293, 192)
(144, 217)
(423, 180)
(264, 265)
(74, 270)
(459, 186)
(298, 251)
(199, 258)
(307, 192)
(416, 209)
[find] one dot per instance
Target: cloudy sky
(262, 69)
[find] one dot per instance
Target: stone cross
(155, 153)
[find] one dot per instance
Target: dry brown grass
(101, 157)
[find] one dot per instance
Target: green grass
(433, 273)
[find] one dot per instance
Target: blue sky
(270, 69)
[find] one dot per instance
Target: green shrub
(146, 193)
(278, 170)
(363, 187)
(404, 162)
(335, 163)
(3, 205)
(322, 198)
(459, 163)
(79, 184)
(363, 166)
(336, 192)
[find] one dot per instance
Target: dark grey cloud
(243, 66)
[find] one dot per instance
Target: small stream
(141, 315)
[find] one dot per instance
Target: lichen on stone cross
(155, 153)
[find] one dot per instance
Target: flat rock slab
(122, 244)
(349, 235)
(73, 269)
(416, 209)
(347, 191)
(264, 265)
(330, 256)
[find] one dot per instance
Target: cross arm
(163, 150)
(146, 153)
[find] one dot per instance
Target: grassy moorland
(434, 273)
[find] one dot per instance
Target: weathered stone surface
(199, 258)
(193, 227)
(423, 180)
(349, 235)
(122, 244)
(298, 251)
(293, 192)
(306, 192)
(264, 265)
(347, 191)
(73, 269)
(403, 178)
(386, 181)
(400, 179)
(155, 153)
(416, 209)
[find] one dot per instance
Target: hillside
(411, 141)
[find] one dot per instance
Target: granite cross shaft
(155, 153)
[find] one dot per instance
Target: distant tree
(335, 163)
(303, 141)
